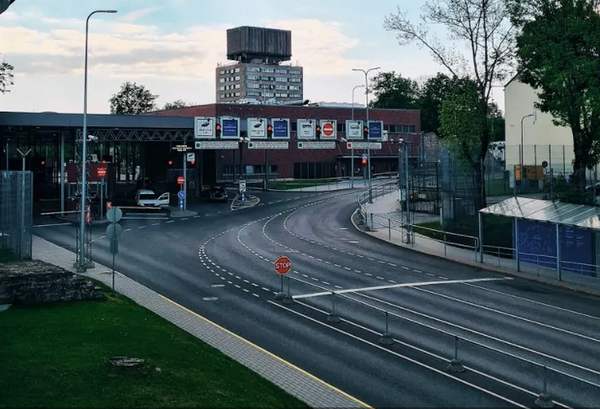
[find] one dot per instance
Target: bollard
(287, 299)
(390, 229)
(372, 225)
(544, 400)
(455, 364)
(333, 317)
(386, 338)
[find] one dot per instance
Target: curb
(253, 200)
(559, 284)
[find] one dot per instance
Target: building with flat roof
(257, 75)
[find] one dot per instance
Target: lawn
(57, 356)
(299, 183)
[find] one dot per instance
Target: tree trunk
(581, 160)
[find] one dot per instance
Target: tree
(485, 28)
(559, 55)
(176, 104)
(433, 92)
(6, 77)
(394, 91)
(132, 99)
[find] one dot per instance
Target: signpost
(328, 129)
(230, 128)
(316, 145)
(257, 128)
(376, 130)
(204, 127)
(281, 128)
(306, 129)
(216, 145)
(102, 170)
(354, 130)
(113, 231)
(283, 265)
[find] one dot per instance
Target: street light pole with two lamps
(366, 74)
(352, 150)
(82, 263)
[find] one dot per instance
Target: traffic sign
(113, 231)
(365, 159)
(283, 265)
(180, 180)
(114, 214)
(328, 129)
(101, 170)
(242, 186)
(181, 194)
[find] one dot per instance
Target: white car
(147, 198)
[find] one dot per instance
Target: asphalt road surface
(511, 335)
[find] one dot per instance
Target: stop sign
(328, 129)
(283, 265)
(180, 180)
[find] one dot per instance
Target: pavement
(219, 264)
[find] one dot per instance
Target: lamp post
(243, 140)
(82, 265)
(352, 150)
(521, 147)
(366, 74)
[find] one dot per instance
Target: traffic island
(177, 213)
(113, 352)
(250, 201)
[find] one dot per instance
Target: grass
(300, 183)
(56, 356)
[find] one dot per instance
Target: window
(267, 94)
(237, 86)
(295, 80)
(252, 77)
(221, 80)
(253, 85)
(294, 87)
(237, 70)
(281, 94)
(281, 79)
(222, 72)
(281, 71)
(269, 70)
(222, 96)
(221, 88)
(237, 94)
(281, 87)
(253, 69)
(237, 77)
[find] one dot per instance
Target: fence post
(480, 237)
(372, 225)
(558, 255)
(544, 400)
(516, 230)
(333, 316)
(455, 364)
(390, 229)
(386, 338)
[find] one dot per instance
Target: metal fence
(16, 209)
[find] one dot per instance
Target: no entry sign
(180, 180)
(283, 265)
(328, 129)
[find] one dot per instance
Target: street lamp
(352, 150)
(521, 147)
(366, 73)
(243, 140)
(82, 265)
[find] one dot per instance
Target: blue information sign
(230, 128)
(181, 194)
(375, 130)
(281, 128)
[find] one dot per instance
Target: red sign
(101, 172)
(328, 129)
(180, 180)
(109, 205)
(283, 265)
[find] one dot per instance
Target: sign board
(376, 130)
(204, 127)
(316, 145)
(191, 157)
(283, 265)
(354, 130)
(205, 145)
(114, 214)
(181, 148)
(328, 129)
(268, 145)
(281, 128)
(230, 128)
(101, 172)
(364, 145)
(242, 186)
(181, 195)
(113, 230)
(305, 128)
(180, 180)
(257, 128)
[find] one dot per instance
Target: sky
(173, 47)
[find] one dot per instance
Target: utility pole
(366, 73)
(22, 234)
(82, 265)
(352, 150)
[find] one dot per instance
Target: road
(510, 334)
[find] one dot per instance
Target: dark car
(216, 194)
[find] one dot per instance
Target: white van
(147, 198)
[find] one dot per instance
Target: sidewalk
(298, 383)
(384, 223)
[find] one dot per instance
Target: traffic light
(269, 130)
(366, 132)
(318, 131)
(218, 130)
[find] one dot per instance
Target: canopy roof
(584, 216)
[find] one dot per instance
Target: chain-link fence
(16, 199)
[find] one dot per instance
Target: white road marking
(51, 225)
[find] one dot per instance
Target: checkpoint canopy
(552, 234)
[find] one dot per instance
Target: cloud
(124, 49)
